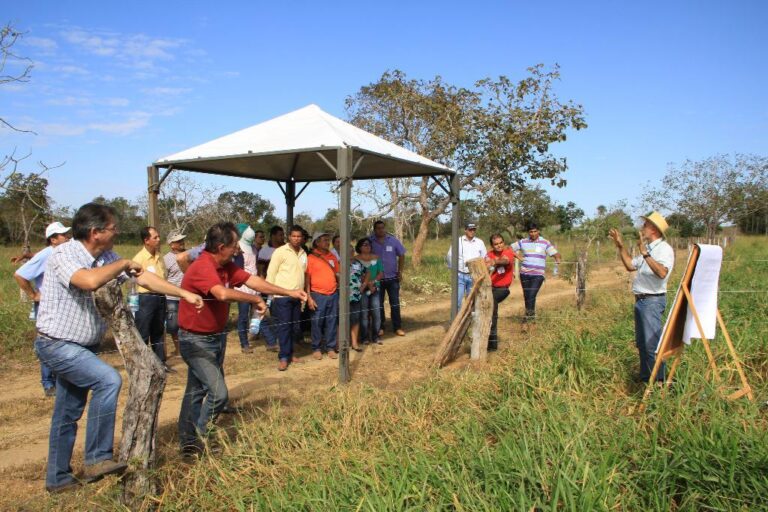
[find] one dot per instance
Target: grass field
(551, 425)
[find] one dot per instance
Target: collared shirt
(34, 269)
(173, 272)
(535, 254)
(356, 274)
(67, 312)
(248, 261)
(201, 276)
(502, 275)
(322, 269)
(646, 281)
(287, 267)
(468, 250)
(389, 251)
(150, 263)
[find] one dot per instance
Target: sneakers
(50, 392)
(247, 350)
(95, 472)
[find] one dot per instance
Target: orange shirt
(322, 269)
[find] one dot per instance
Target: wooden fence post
(481, 323)
(146, 382)
(581, 280)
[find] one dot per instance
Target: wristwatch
(646, 256)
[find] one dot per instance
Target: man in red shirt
(500, 260)
(321, 283)
(202, 334)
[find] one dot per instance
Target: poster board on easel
(694, 314)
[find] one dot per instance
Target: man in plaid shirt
(69, 329)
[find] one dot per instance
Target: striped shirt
(535, 254)
(173, 272)
(67, 312)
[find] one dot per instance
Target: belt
(45, 336)
(641, 296)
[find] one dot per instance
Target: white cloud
(84, 101)
(71, 70)
(166, 91)
(135, 121)
(42, 44)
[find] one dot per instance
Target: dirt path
(254, 382)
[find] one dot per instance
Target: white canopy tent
(304, 146)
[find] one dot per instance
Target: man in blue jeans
(202, 334)
(392, 254)
(533, 252)
(654, 266)
(69, 329)
(30, 276)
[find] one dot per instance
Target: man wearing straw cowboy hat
(654, 266)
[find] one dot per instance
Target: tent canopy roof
(289, 148)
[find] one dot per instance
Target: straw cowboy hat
(657, 220)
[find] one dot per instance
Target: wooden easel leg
(652, 380)
(672, 370)
(746, 389)
(707, 348)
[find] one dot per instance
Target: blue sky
(116, 86)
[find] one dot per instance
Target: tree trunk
(146, 382)
(481, 323)
(420, 240)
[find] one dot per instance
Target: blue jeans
(243, 318)
(325, 320)
(269, 330)
(465, 286)
(499, 294)
(391, 286)
(150, 321)
(287, 313)
(47, 377)
(648, 313)
(206, 392)
(531, 285)
(78, 370)
(370, 322)
(172, 317)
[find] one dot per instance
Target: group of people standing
(532, 253)
(188, 294)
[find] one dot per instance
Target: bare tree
(9, 36)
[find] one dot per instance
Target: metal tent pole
(344, 174)
(455, 221)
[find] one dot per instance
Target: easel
(671, 344)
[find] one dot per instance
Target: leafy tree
(511, 211)
(568, 215)
(496, 135)
(25, 207)
(684, 226)
(247, 207)
(711, 191)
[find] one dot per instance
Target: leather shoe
(282, 366)
(71, 486)
(381, 333)
(317, 354)
(400, 332)
(332, 354)
(94, 472)
(295, 359)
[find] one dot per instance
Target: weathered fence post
(581, 279)
(146, 382)
(481, 323)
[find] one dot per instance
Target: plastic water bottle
(133, 297)
(32, 313)
(555, 270)
(255, 325)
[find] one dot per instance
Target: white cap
(55, 228)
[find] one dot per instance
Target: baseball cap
(470, 225)
(55, 228)
(317, 236)
(176, 236)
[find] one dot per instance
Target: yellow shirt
(150, 263)
(287, 267)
